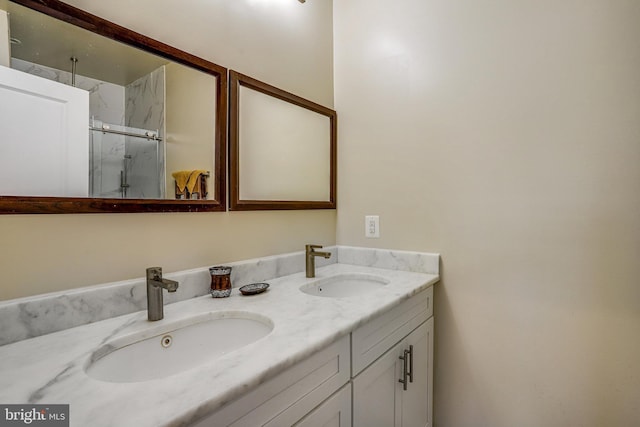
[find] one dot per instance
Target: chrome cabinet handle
(410, 363)
(405, 371)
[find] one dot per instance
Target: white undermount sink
(344, 285)
(172, 348)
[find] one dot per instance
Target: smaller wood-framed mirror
(282, 151)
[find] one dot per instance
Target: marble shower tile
(145, 109)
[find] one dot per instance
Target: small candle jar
(220, 281)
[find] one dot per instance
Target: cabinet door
(417, 400)
(375, 392)
(334, 412)
(379, 399)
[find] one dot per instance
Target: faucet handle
(154, 273)
(312, 247)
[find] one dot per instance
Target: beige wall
(283, 43)
(505, 135)
(190, 101)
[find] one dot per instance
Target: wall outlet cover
(372, 226)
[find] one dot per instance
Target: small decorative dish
(254, 288)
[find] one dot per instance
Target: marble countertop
(49, 369)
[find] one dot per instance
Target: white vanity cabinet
(352, 382)
(401, 343)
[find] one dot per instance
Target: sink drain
(166, 341)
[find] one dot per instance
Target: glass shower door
(125, 162)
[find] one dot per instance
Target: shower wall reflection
(144, 111)
(121, 165)
(106, 100)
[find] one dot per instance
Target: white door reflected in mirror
(44, 145)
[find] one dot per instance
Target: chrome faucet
(310, 257)
(155, 284)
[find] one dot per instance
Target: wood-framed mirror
(103, 50)
(282, 149)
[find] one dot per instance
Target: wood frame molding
(236, 80)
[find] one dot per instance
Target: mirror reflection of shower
(125, 162)
(126, 127)
(124, 182)
(74, 65)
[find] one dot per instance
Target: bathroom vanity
(310, 351)
(368, 364)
